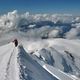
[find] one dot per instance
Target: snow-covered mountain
(16, 64)
(48, 46)
(56, 59)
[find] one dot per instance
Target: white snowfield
(60, 57)
(16, 64)
(56, 59)
(8, 63)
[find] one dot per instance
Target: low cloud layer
(43, 25)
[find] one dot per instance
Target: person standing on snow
(15, 42)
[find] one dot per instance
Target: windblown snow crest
(48, 63)
(20, 66)
(30, 69)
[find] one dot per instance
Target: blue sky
(41, 6)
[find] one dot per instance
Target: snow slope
(57, 56)
(56, 59)
(8, 63)
(16, 64)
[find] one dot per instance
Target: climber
(15, 42)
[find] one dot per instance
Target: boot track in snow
(8, 65)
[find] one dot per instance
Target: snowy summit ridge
(55, 63)
(20, 66)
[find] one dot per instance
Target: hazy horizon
(42, 6)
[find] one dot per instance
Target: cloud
(54, 33)
(72, 34)
(14, 20)
(9, 20)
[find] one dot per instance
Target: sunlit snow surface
(57, 60)
(49, 47)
